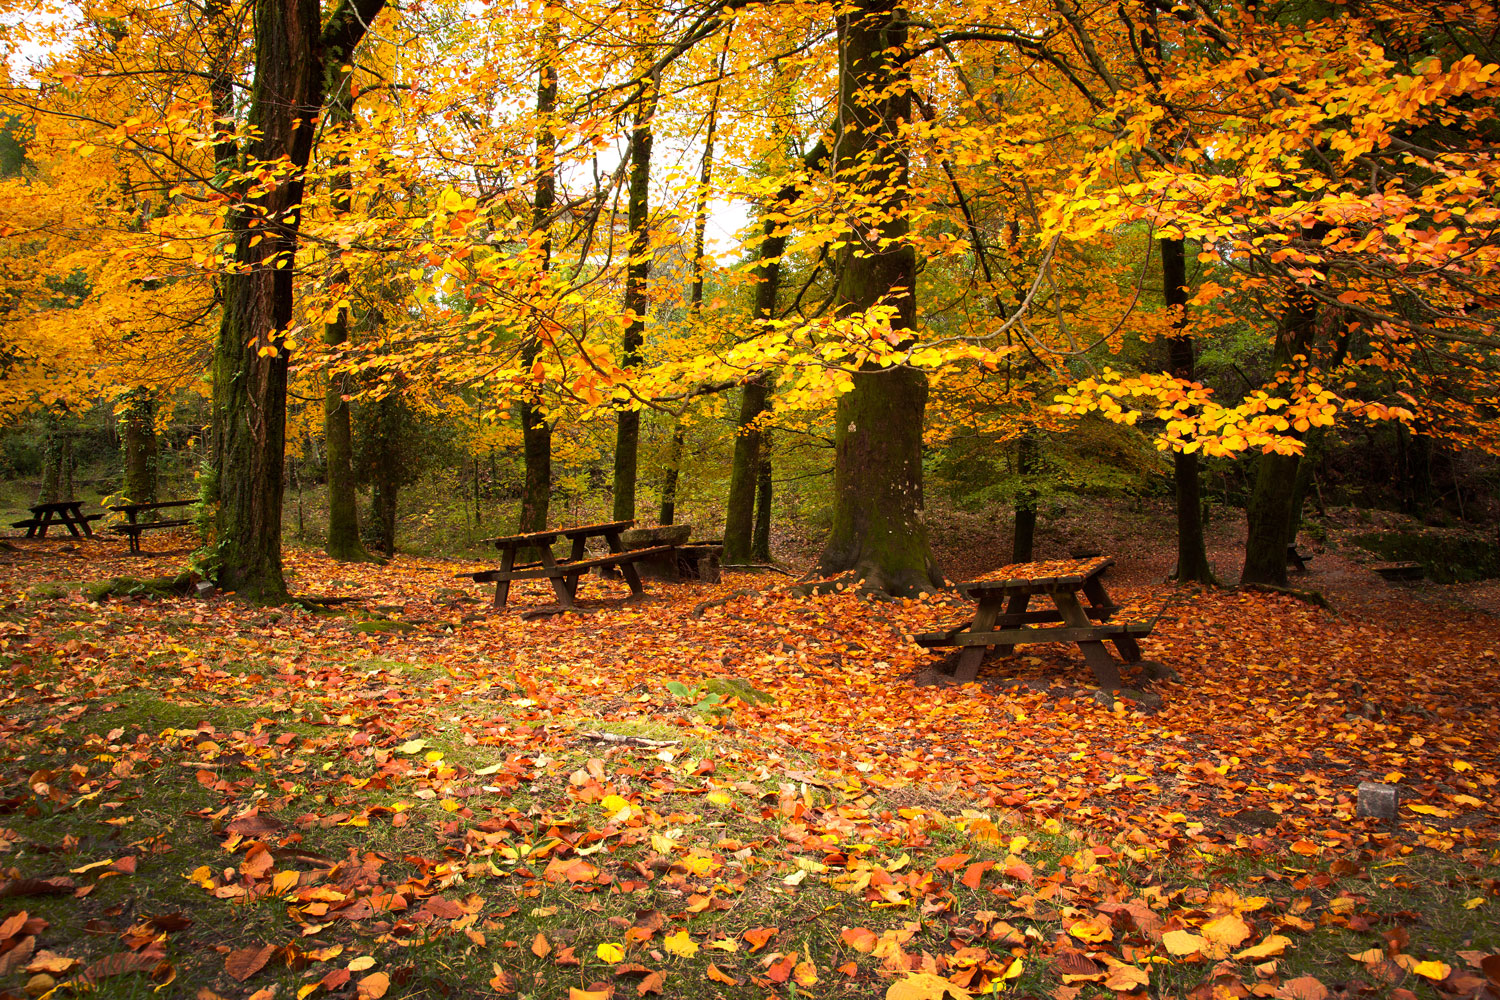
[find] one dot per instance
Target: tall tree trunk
(669, 478)
(760, 542)
(139, 425)
(739, 514)
(1023, 539)
(344, 542)
(52, 459)
(297, 59)
(878, 533)
(1274, 494)
(384, 450)
(628, 427)
(536, 432)
(1192, 550)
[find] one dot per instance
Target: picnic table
(132, 527)
(68, 512)
(563, 573)
(1002, 618)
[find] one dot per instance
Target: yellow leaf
(1269, 948)
(1373, 956)
(1228, 930)
(610, 952)
(1436, 971)
(614, 803)
(283, 882)
(924, 986)
(412, 746)
(1183, 942)
(1473, 904)
(362, 963)
(680, 944)
(1092, 931)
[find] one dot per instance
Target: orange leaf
(247, 962)
(720, 976)
(373, 986)
(860, 939)
(924, 986)
(540, 946)
(1303, 988)
(758, 936)
(1228, 930)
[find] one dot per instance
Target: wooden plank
(561, 568)
(1066, 633)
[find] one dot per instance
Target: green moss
(47, 592)
(377, 625)
(1446, 557)
(131, 586)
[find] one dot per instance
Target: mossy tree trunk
(384, 450)
(298, 60)
(54, 460)
(878, 534)
(536, 431)
(138, 428)
(1192, 550)
(670, 475)
(637, 304)
(1273, 496)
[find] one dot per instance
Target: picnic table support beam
(502, 585)
(1015, 606)
(1093, 589)
(969, 660)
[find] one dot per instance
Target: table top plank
(551, 534)
(1038, 577)
(126, 508)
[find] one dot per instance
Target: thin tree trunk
(139, 420)
(344, 542)
(1192, 550)
(877, 533)
(628, 427)
(384, 449)
(760, 543)
(739, 514)
(1023, 539)
(536, 432)
(669, 478)
(52, 460)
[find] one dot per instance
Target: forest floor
(410, 794)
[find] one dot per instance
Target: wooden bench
(1296, 559)
(68, 513)
(132, 528)
(1400, 570)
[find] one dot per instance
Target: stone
(204, 589)
(1159, 671)
(1377, 801)
(661, 534)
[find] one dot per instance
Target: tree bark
(669, 478)
(139, 426)
(877, 533)
(1192, 550)
(760, 542)
(638, 270)
(297, 60)
(54, 440)
(384, 450)
(1273, 496)
(739, 513)
(1023, 538)
(344, 543)
(536, 432)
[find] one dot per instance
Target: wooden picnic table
(1002, 618)
(132, 527)
(68, 512)
(563, 573)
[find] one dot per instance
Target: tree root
(1313, 597)
(719, 602)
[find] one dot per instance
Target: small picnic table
(563, 573)
(132, 527)
(1001, 618)
(68, 512)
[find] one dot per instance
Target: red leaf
(247, 962)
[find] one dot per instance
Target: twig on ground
(773, 569)
(635, 741)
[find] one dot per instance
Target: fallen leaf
(1303, 988)
(1269, 948)
(680, 944)
(373, 986)
(1183, 942)
(246, 962)
(1229, 930)
(924, 986)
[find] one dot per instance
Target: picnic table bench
(563, 573)
(66, 512)
(1002, 619)
(132, 527)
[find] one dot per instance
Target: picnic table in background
(68, 512)
(1002, 618)
(563, 573)
(132, 527)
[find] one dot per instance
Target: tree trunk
(628, 428)
(739, 513)
(52, 460)
(344, 542)
(760, 543)
(1192, 550)
(385, 470)
(251, 356)
(1023, 539)
(139, 424)
(669, 478)
(536, 432)
(878, 534)
(1273, 497)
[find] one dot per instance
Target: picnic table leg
(627, 570)
(134, 534)
(556, 576)
(972, 656)
(1015, 606)
(1095, 653)
(46, 519)
(574, 555)
(1093, 589)
(502, 587)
